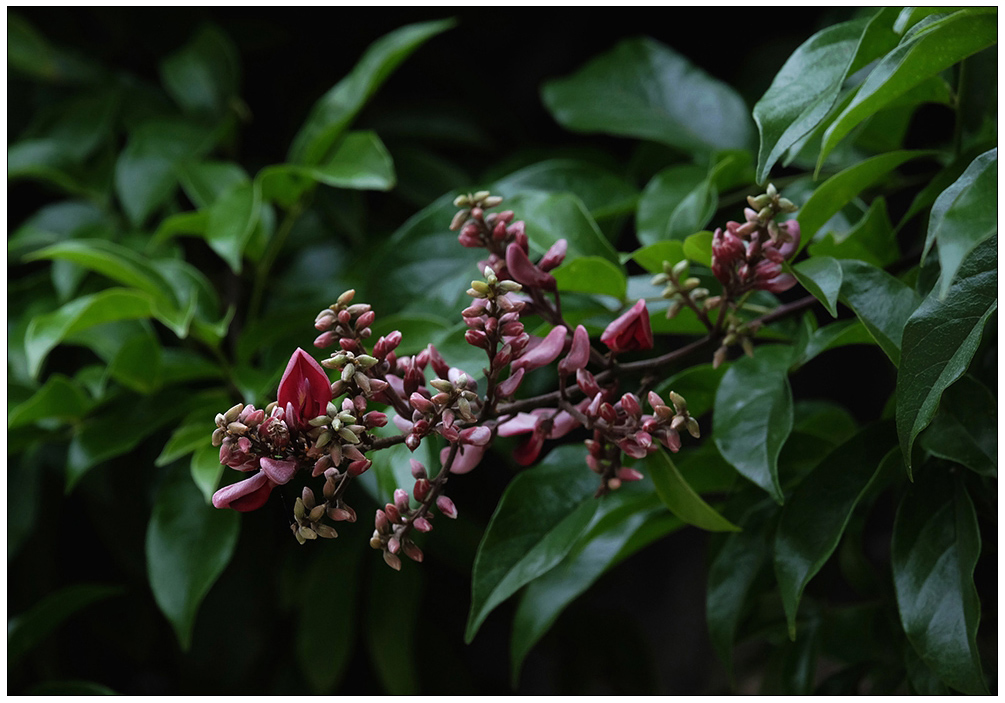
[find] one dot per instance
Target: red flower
(631, 331)
(304, 391)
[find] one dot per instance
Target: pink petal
(246, 495)
(579, 352)
(279, 472)
(523, 271)
(545, 352)
(468, 457)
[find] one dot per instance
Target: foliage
(166, 276)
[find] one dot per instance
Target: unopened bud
(446, 506)
(422, 524)
(393, 561)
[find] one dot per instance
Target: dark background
(641, 629)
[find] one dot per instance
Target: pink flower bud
(446, 507)
(381, 522)
(468, 457)
(478, 436)
(631, 331)
(412, 441)
(325, 339)
(626, 473)
(509, 386)
(418, 470)
(422, 525)
(554, 256)
(545, 352)
(356, 468)
(630, 404)
(401, 499)
(524, 272)
(420, 403)
(421, 489)
(579, 352)
(476, 338)
(587, 383)
(304, 390)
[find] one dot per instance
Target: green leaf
(821, 276)
(936, 544)
(920, 55)
(205, 181)
(966, 429)
(837, 334)
(816, 515)
(940, 339)
(47, 331)
(60, 398)
(665, 195)
(186, 439)
(698, 248)
(339, 106)
(554, 216)
(681, 499)
(71, 688)
(539, 517)
(28, 630)
(392, 632)
(206, 469)
(841, 188)
(615, 532)
(591, 274)
(871, 240)
(650, 92)
(188, 544)
(698, 385)
(882, 303)
(651, 257)
(753, 415)
(232, 221)
(603, 193)
(325, 634)
(807, 86)
(963, 216)
(203, 75)
(360, 162)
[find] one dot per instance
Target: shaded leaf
(966, 428)
(651, 257)
(591, 274)
(698, 248)
(391, 632)
(604, 193)
(940, 339)
(554, 216)
(664, 195)
(60, 398)
(188, 546)
(205, 181)
(882, 303)
(936, 544)
(206, 469)
(71, 688)
(821, 276)
(650, 92)
(360, 161)
(753, 415)
(232, 221)
(871, 240)
(203, 75)
(681, 499)
(189, 436)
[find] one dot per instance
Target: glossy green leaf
(188, 546)
(882, 303)
(205, 181)
(966, 429)
(681, 499)
(591, 274)
(206, 470)
(654, 93)
(837, 334)
(539, 517)
(325, 634)
(821, 276)
(46, 331)
(920, 54)
(339, 106)
(936, 544)
(753, 415)
(651, 257)
(232, 221)
(60, 398)
(871, 240)
(554, 216)
(28, 630)
(676, 202)
(698, 384)
(392, 633)
(963, 216)
(940, 339)
(190, 435)
(621, 516)
(816, 515)
(698, 248)
(203, 75)
(360, 161)
(604, 193)
(839, 190)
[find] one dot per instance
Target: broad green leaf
(205, 181)
(591, 274)
(882, 303)
(190, 435)
(137, 363)
(839, 190)
(28, 630)
(232, 221)
(966, 429)
(119, 429)
(539, 517)
(60, 398)
(188, 545)
(67, 219)
(554, 216)
(698, 248)
(360, 161)
(920, 55)
(731, 576)
(816, 515)
(392, 632)
(837, 334)
(206, 470)
(47, 331)
(807, 86)
(621, 516)
(189, 224)
(676, 203)
(339, 106)
(753, 415)
(821, 276)
(325, 634)
(203, 75)
(936, 544)
(824, 420)
(603, 193)
(940, 339)
(650, 92)
(871, 240)
(681, 499)
(963, 216)
(651, 257)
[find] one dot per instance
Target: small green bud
(509, 286)
(347, 371)
(462, 201)
(771, 191)
(481, 195)
(678, 402)
(346, 297)
(317, 512)
(482, 287)
(299, 510)
(348, 436)
(319, 421)
(365, 361)
(492, 201)
(680, 268)
(691, 283)
(693, 429)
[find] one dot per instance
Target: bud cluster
(680, 289)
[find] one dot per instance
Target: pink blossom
(304, 391)
(631, 331)
(244, 496)
(545, 352)
(524, 272)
